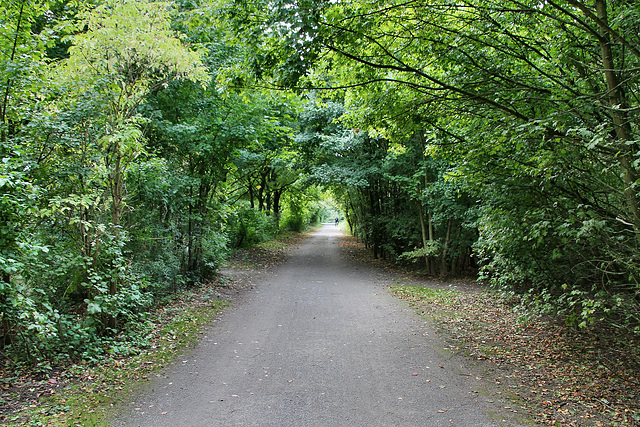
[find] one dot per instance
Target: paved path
(319, 343)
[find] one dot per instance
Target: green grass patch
(96, 393)
(439, 306)
(422, 294)
(440, 296)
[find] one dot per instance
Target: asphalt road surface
(319, 342)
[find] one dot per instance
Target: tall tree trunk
(374, 213)
(445, 249)
(261, 193)
(619, 106)
(431, 268)
(116, 209)
(190, 228)
(277, 194)
(354, 221)
(347, 215)
(268, 202)
(7, 92)
(423, 229)
(5, 325)
(432, 261)
(116, 186)
(116, 189)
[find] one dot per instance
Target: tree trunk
(5, 325)
(431, 268)
(425, 237)
(432, 261)
(354, 223)
(7, 92)
(116, 185)
(445, 249)
(261, 193)
(347, 215)
(277, 194)
(268, 202)
(621, 123)
(116, 209)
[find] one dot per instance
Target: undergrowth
(90, 394)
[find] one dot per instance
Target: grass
(95, 393)
(425, 294)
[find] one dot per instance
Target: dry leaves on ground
(564, 375)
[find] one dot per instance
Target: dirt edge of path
(561, 375)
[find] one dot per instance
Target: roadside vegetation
(142, 142)
(563, 375)
(89, 394)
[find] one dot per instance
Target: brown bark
(618, 105)
(445, 249)
(423, 228)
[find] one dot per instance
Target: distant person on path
(337, 220)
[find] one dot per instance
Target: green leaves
(520, 98)
(73, 147)
(127, 136)
(132, 41)
(139, 157)
(93, 307)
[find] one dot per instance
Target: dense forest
(142, 141)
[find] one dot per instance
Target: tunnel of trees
(142, 141)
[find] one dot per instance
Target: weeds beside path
(87, 394)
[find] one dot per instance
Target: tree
(535, 102)
(267, 166)
(127, 52)
(21, 63)
(21, 54)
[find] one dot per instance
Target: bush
(247, 226)
(564, 260)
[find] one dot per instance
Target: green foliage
(503, 135)
(79, 194)
(297, 214)
(22, 50)
(385, 187)
(248, 226)
(534, 107)
(131, 44)
(418, 294)
(431, 249)
(102, 386)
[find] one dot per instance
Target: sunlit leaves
(132, 41)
